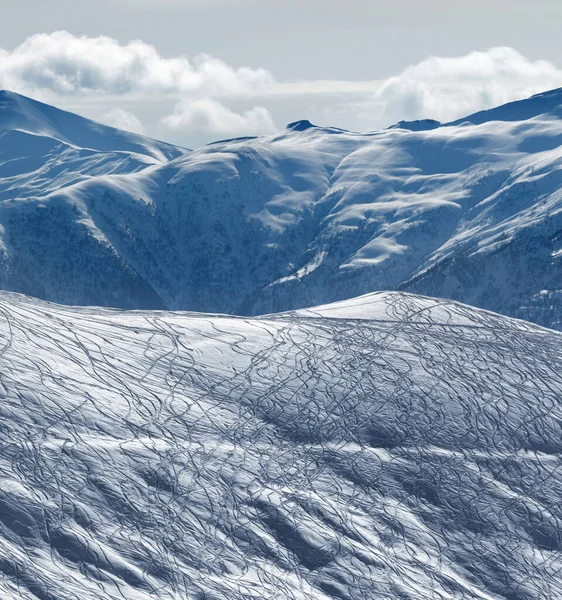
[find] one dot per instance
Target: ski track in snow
(391, 446)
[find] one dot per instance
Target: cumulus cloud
(106, 80)
(123, 119)
(66, 64)
(210, 116)
(448, 88)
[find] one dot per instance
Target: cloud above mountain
(66, 64)
(195, 100)
(210, 116)
(124, 119)
(449, 88)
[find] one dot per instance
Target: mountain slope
(19, 113)
(49, 247)
(391, 446)
(469, 210)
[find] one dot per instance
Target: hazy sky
(205, 69)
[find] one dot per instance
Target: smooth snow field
(387, 447)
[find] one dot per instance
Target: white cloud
(448, 88)
(210, 116)
(123, 119)
(133, 87)
(65, 64)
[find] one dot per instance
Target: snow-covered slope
(24, 115)
(392, 446)
(49, 246)
(470, 210)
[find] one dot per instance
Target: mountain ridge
(545, 102)
(38, 118)
(302, 217)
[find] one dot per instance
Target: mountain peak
(18, 112)
(549, 102)
(418, 125)
(10, 94)
(302, 125)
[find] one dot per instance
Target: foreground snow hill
(390, 446)
(470, 210)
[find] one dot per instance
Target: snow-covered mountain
(25, 124)
(390, 446)
(470, 210)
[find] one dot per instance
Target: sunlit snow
(391, 446)
(470, 210)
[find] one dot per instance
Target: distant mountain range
(469, 210)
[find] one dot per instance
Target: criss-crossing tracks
(391, 446)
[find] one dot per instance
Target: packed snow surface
(390, 446)
(470, 210)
